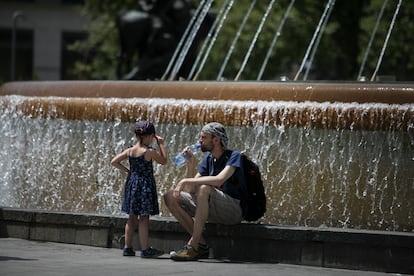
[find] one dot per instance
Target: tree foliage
(338, 57)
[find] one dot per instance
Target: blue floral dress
(140, 197)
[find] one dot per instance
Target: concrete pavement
(25, 257)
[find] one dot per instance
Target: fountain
(336, 157)
(332, 154)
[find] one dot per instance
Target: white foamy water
(335, 173)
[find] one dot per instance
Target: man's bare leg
(201, 216)
(181, 215)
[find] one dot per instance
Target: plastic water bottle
(180, 158)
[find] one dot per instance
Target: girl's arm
(116, 161)
(161, 157)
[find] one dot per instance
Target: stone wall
(337, 248)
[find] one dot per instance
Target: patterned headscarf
(144, 128)
(216, 129)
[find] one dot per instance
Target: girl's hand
(160, 158)
(160, 140)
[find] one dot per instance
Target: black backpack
(253, 198)
(253, 202)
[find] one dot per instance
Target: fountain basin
(86, 102)
(360, 92)
(332, 154)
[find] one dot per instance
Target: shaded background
(90, 51)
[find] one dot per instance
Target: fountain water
(254, 40)
(374, 31)
(386, 40)
(338, 155)
(316, 36)
(274, 40)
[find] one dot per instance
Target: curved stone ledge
(338, 248)
(310, 105)
(359, 92)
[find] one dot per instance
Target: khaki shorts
(222, 209)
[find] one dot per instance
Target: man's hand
(178, 189)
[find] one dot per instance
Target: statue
(149, 36)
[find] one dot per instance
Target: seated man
(213, 196)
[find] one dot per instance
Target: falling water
(182, 41)
(253, 43)
(318, 39)
(235, 39)
(328, 6)
(191, 36)
(274, 40)
(222, 16)
(374, 31)
(386, 40)
(336, 176)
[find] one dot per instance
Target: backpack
(253, 202)
(253, 198)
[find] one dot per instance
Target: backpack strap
(210, 164)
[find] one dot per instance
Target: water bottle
(180, 158)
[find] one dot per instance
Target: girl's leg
(146, 250)
(143, 231)
(130, 227)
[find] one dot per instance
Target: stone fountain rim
(356, 92)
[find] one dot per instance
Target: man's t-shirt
(210, 166)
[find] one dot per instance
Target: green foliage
(398, 57)
(338, 56)
(99, 51)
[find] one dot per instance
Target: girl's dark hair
(144, 128)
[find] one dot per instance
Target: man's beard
(205, 148)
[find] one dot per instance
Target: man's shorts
(222, 209)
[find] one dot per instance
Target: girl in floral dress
(140, 197)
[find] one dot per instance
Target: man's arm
(215, 181)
